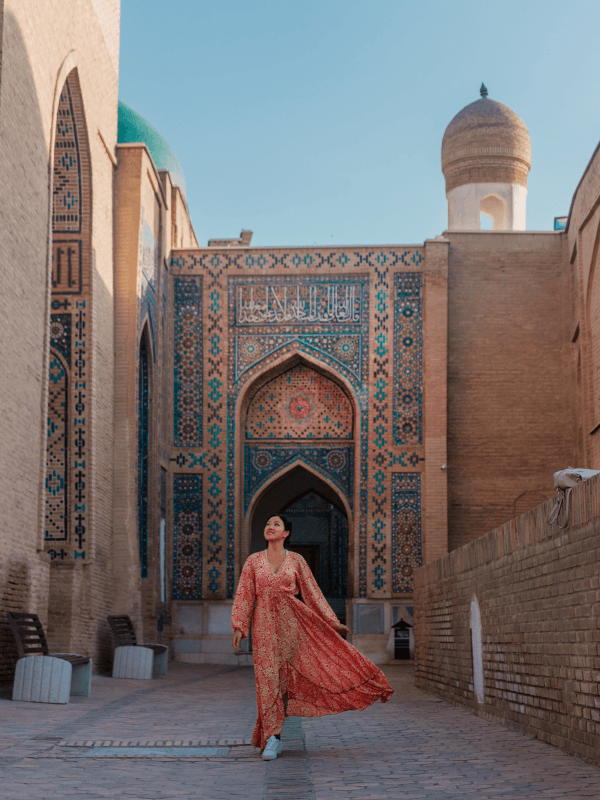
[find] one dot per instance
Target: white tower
(486, 156)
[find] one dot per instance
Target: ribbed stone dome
(486, 142)
(134, 128)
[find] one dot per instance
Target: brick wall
(41, 44)
(510, 419)
(538, 593)
(581, 251)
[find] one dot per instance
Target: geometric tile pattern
(261, 461)
(300, 404)
(219, 566)
(67, 450)
(187, 357)
(57, 478)
(378, 429)
(344, 350)
(406, 530)
(261, 262)
(408, 358)
(187, 537)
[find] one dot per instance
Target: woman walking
(302, 666)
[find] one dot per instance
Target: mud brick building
(160, 398)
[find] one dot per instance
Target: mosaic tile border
(187, 537)
(408, 358)
(407, 549)
(262, 461)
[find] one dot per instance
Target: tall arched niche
(297, 414)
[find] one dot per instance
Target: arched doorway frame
(243, 521)
(275, 478)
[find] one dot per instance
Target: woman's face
(274, 529)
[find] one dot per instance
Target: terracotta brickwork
(536, 592)
(486, 142)
(142, 236)
(581, 253)
(510, 421)
(40, 50)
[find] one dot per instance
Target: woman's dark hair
(287, 524)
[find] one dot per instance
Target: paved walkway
(196, 723)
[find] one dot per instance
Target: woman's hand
(236, 639)
(343, 630)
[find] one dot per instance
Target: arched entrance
(299, 445)
(320, 529)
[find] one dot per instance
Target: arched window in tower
(143, 450)
(69, 385)
(495, 209)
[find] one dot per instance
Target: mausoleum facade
(160, 398)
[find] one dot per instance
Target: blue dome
(133, 128)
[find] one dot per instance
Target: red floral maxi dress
(297, 649)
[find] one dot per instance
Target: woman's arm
(313, 596)
(243, 605)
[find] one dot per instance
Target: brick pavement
(415, 746)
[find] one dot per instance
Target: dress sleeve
(243, 605)
(313, 596)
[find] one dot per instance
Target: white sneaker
(273, 748)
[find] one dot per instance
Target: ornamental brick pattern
(486, 142)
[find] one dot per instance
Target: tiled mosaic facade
(281, 327)
(67, 450)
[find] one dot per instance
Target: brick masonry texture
(509, 417)
(41, 45)
(486, 142)
(538, 593)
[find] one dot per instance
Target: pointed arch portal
(299, 429)
(320, 528)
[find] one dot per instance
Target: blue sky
(320, 122)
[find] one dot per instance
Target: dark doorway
(320, 530)
(311, 554)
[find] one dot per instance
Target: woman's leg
(284, 697)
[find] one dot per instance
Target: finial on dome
(483, 91)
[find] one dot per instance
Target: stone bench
(133, 660)
(41, 676)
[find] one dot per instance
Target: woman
(302, 665)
